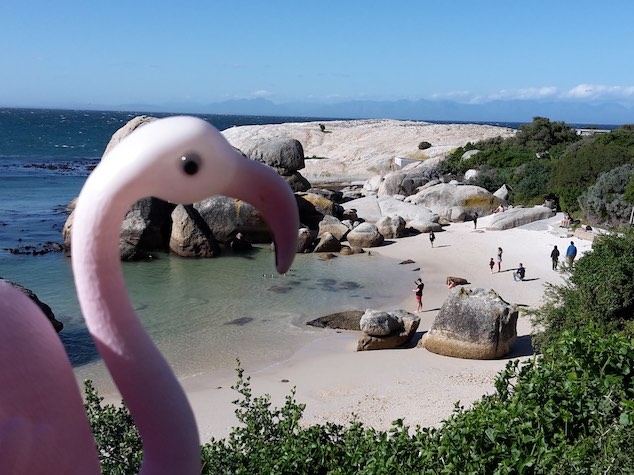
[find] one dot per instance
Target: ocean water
(203, 314)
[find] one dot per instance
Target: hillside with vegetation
(591, 177)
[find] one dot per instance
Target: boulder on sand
(474, 324)
(365, 235)
(383, 330)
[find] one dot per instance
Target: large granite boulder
(326, 242)
(382, 330)
(127, 129)
(297, 182)
(402, 182)
(371, 209)
(227, 216)
(312, 208)
(332, 225)
(423, 226)
(473, 323)
(46, 310)
(514, 217)
(457, 202)
(391, 226)
(333, 195)
(365, 235)
(191, 236)
(144, 230)
(305, 240)
(502, 192)
(286, 155)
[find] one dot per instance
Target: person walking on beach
(419, 294)
(498, 259)
(432, 238)
(491, 265)
(475, 220)
(571, 253)
(554, 257)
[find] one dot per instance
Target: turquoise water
(204, 313)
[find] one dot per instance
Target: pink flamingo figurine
(43, 425)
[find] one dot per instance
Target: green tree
(541, 135)
(604, 202)
(582, 162)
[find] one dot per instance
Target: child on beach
(419, 294)
(432, 238)
(491, 264)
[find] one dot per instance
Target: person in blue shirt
(571, 253)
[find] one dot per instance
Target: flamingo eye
(190, 163)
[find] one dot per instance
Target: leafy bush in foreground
(118, 441)
(600, 291)
(568, 411)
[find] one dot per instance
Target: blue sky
(75, 53)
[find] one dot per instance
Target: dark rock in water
(240, 321)
(349, 285)
(408, 261)
(37, 249)
(347, 320)
(57, 325)
(280, 289)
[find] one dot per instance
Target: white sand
(378, 387)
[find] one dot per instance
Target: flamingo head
(184, 160)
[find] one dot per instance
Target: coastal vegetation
(589, 176)
(569, 409)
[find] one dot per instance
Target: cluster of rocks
(361, 215)
(380, 330)
(472, 323)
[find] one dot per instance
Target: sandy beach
(337, 383)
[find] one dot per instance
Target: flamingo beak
(264, 188)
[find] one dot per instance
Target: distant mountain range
(494, 111)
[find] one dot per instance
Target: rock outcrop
(365, 235)
(513, 217)
(46, 310)
(391, 226)
(286, 155)
(474, 324)
(457, 202)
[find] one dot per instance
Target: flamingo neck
(156, 400)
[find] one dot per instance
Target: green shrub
(570, 410)
(604, 202)
(600, 291)
(118, 442)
